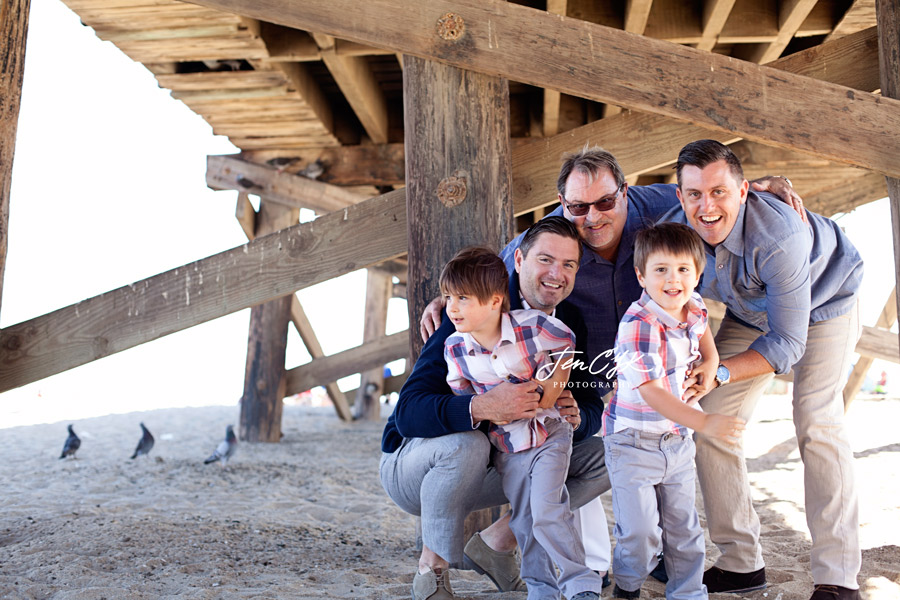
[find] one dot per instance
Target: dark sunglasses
(579, 209)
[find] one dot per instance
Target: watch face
(723, 374)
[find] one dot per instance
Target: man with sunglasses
(607, 214)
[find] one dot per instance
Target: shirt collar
(734, 242)
(507, 336)
(670, 322)
(528, 306)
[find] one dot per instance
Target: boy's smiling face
(670, 280)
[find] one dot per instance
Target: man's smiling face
(711, 198)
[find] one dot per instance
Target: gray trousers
(445, 478)
(832, 512)
(653, 485)
(534, 481)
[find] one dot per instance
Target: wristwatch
(723, 375)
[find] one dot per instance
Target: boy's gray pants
(653, 485)
(445, 478)
(534, 482)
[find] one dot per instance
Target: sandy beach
(307, 518)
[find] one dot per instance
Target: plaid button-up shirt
(529, 340)
(652, 344)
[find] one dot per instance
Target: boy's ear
(640, 276)
(496, 302)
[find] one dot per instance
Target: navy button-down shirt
(778, 275)
(604, 291)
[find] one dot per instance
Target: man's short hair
(476, 271)
(702, 153)
(671, 238)
(591, 161)
(556, 225)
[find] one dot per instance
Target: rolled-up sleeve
(785, 270)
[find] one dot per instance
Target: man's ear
(640, 277)
(680, 199)
(518, 259)
(745, 187)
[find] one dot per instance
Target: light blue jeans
(832, 512)
(443, 479)
(652, 476)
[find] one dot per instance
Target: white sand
(307, 518)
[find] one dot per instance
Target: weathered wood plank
(888, 15)
(376, 164)
(378, 293)
(13, 35)
(264, 379)
(245, 215)
(886, 320)
(879, 343)
(457, 171)
(320, 371)
(715, 15)
(220, 80)
(643, 142)
(791, 15)
(227, 173)
(266, 268)
(311, 341)
(607, 65)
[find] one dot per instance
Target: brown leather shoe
(432, 585)
(833, 592)
(720, 580)
(501, 567)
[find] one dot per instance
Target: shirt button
(620, 303)
(494, 356)
(720, 266)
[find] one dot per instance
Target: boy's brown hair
(476, 271)
(671, 238)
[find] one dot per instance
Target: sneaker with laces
(501, 567)
(833, 592)
(586, 596)
(620, 593)
(432, 585)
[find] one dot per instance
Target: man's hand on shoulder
(781, 187)
(431, 318)
(506, 402)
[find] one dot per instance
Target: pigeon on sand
(225, 448)
(73, 443)
(145, 444)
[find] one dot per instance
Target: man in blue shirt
(791, 291)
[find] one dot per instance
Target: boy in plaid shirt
(646, 426)
(492, 345)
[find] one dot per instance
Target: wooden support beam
(643, 142)
(308, 335)
(607, 65)
(359, 86)
(847, 195)
(298, 315)
(886, 320)
(264, 380)
(879, 343)
(715, 15)
(370, 164)
(371, 387)
(860, 15)
(791, 15)
(457, 171)
(269, 267)
(230, 173)
(13, 35)
(551, 96)
(320, 371)
(888, 16)
(636, 14)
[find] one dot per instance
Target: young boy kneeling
(646, 426)
(492, 345)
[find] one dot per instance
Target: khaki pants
(831, 504)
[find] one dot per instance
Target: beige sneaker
(432, 585)
(501, 567)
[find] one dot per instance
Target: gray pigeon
(73, 443)
(145, 444)
(225, 448)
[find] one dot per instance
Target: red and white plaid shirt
(529, 340)
(652, 344)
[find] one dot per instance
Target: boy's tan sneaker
(501, 567)
(432, 585)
